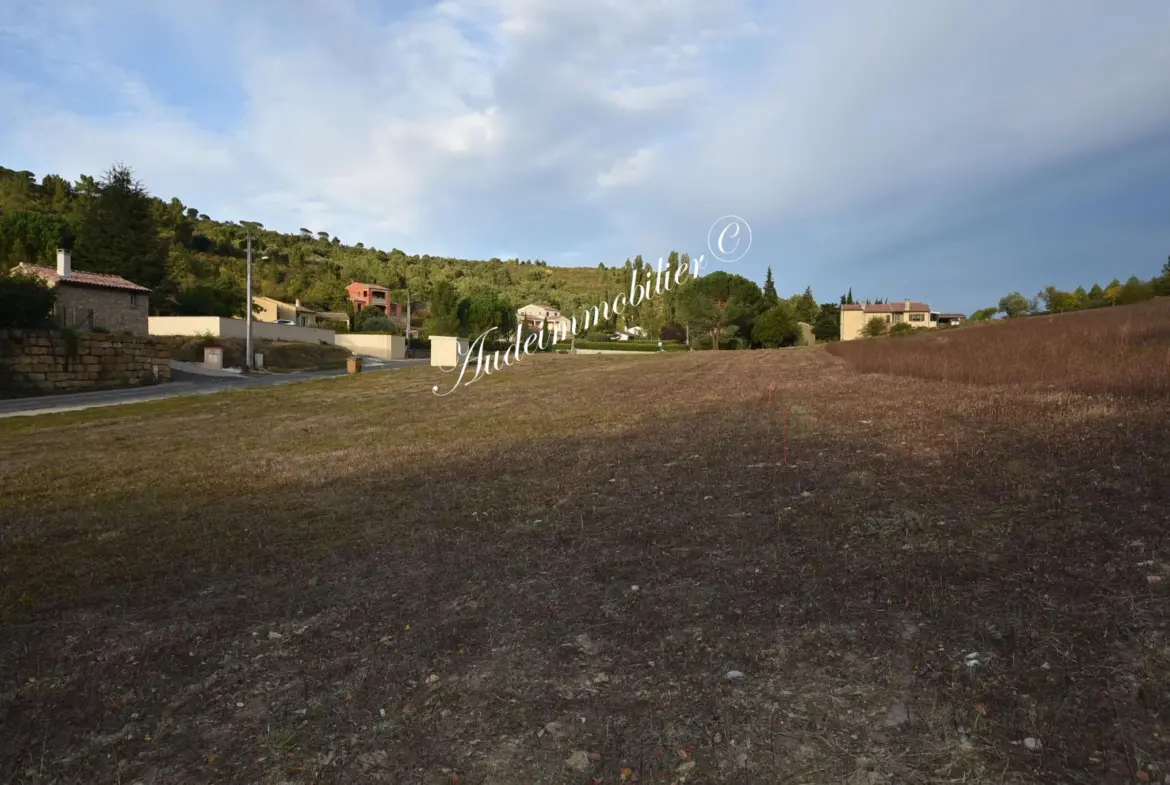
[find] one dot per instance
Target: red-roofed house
(94, 299)
(854, 317)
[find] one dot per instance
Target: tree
(805, 306)
(1113, 291)
(1056, 301)
(1161, 284)
(118, 233)
(484, 310)
(827, 327)
(776, 326)
(32, 237)
(1014, 304)
(984, 314)
(221, 298)
(444, 312)
(26, 301)
(875, 327)
(374, 321)
(771, 298)
(1135, 290)
(715, 302)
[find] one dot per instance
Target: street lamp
(250, 359)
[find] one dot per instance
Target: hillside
(198, 265)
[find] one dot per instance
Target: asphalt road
(182, 383)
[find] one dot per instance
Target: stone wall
(33, 361)
(116, 310)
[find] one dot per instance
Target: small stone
(1154, 580)
(274, 636)
(1032, 744)
(578, 761)
(554, 729)
(735, 675)
(586, 644)
(685, 768)
(432, 679)
(897, 715)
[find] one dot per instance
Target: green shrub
(875, 327)
(26, 302)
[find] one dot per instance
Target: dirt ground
(705, 567)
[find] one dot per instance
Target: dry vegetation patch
(279, 356)
(590, 568)
(1122, 350)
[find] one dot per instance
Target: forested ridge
(195, 265)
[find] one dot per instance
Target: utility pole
(408, 320)
(688, 335)
(250, 358)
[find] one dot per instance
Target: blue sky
(948, 152)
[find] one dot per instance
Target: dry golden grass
(1123, 350)
(258, 585)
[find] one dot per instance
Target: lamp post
(250, 359)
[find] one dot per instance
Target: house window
(917, 317)
(133, 301)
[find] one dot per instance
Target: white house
(535, 314)
(632, 334)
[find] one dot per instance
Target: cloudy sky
(942, 150)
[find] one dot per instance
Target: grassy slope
(593, 544)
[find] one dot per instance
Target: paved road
(182, 383)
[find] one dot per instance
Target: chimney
(298, 301)
(907, 305)
(64, 264)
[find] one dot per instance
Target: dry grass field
(1121, 350)
(592, 570)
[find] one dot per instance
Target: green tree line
(195, 265)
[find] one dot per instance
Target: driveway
(182, 383)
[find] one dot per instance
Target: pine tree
(770, 295)
(118, 233)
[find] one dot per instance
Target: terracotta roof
(952, 316)
(368, 286)
(82, 278)
(898, 307)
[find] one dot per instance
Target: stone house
(88, 300)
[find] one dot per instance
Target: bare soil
(699, 567)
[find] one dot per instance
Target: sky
(947, 152)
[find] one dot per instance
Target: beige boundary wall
(384, 347)
(237, 328)
(447, 351)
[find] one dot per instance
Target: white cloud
(591, 127)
